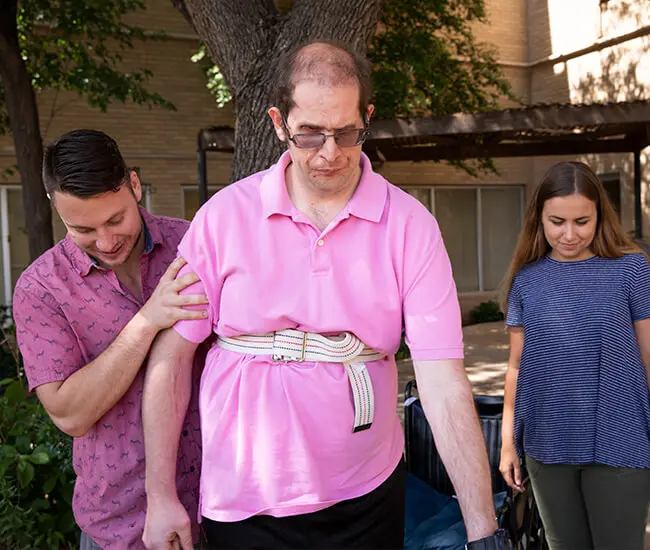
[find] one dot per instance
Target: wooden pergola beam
(464, 151)
(537, 118)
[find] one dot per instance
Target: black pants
(371, 522)
(592, 506)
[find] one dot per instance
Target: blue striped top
(582, 392)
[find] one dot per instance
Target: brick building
(580, 51)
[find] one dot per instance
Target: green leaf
(49, 484)
(25, 473)
(67, 492)
(23, 444)
(8, 456)
(15, 392)
(38, 458)
(40, 504)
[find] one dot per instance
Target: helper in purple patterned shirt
(86, 313)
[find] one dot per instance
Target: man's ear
(276, 117)
(369, 111)
(136, 186)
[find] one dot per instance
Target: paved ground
(486, 356)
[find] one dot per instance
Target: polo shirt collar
(368, 201)
(84, 263)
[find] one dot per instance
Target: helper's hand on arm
(166, 305)
(78, 402)
(448, 404)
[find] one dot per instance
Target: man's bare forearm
(167, 389)
(448, 404)
(84, 397)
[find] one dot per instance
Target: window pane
(501, 220)
(18, 243)
(456, 215)
(423, 194)
(612, 185)
(191, 200)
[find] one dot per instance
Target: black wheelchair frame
(519, 514)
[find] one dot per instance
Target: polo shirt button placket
(320, 255)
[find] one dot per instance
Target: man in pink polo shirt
(311, 267)
(86, 313)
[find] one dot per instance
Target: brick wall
(163, 144)
(617, 73)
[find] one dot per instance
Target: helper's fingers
(189, 314)
(173, 269)
(185, 281)
(187, 300)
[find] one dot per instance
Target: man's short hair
(83, 163)
(327, 62)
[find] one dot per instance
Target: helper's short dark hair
(325, 61)
(83, 163)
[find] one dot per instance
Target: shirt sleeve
(515, 316)
(46, 339)
(432, 317)
(198, 248)
(640, 291)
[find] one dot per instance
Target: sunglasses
(349, 137)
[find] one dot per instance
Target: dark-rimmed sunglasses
(349, 137)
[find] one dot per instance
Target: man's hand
(510, 468)
(166, 305)
(167, 526)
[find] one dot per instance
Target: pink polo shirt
(277, 437)
(67, 311)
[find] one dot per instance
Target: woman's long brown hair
(564, 179)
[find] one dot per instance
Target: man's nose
(105, 241)
(330, 149)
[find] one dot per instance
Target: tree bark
(25, 128)
(245, 39)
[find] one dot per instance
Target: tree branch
(236, 34)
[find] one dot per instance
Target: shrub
(36, 474)
(486, 312)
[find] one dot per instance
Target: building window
(190, 198)
(612, 184)
(480, 226)
(14, 249)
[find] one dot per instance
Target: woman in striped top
(577, 403)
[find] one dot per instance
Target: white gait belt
(296, 346)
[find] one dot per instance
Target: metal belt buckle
(287, 358)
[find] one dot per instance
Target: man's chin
(333, 182)
(112, 261)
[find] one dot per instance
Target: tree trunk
(23, 115)
(245, 39)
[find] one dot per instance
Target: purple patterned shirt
(67, 311)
